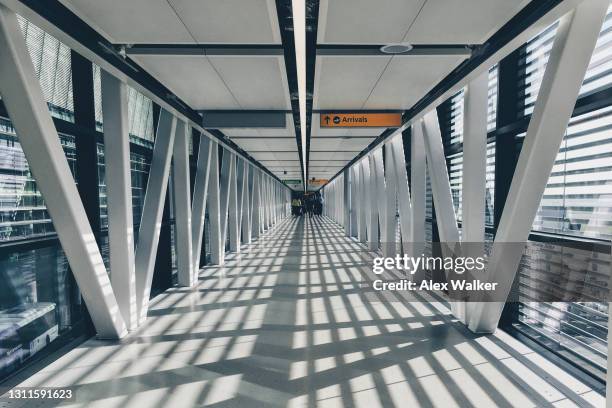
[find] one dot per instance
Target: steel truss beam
(569, 58)
(26, 105)
(152, 211)
(119, 196)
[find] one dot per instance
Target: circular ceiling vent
(398, 48)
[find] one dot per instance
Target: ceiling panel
(133, 21)
(222, 83)
(181, 21)
(192, 78)
(328, 155)
(407, 79)
(258, 144)
(255, 82)
(461, 21)
(230, 21)
(271, 155)
(345, 82)
(414, 21)
(365, 21)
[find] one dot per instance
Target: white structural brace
(181, 188)
(418, 183)
(119, 196)
(152, 211)
(26, 106)
(569, 58)
(200, 197)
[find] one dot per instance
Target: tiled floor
(284, 324)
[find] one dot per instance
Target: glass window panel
(22, 208)
(140, 113)
(52, 65)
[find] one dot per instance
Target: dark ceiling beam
(375, 50)
(285, 23)
(240, 50)
(312, 24)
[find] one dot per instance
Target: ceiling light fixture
(398, 48)
(298, 8)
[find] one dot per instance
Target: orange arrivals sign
(332, 120)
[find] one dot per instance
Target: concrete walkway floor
(284, 324)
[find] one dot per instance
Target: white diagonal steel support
(228, 166)
(361, 215)
(346, 202)
(438, 173)
(181, 189)
(217, 244)
(441, 192)
(390, 201)
(418, 184)
(256, 222)
(119, 196)
(245, 225)
(404, 202)
(234, 207)
(380, 191)
(569, 58)
(26, 106)
(373, 200)
(200, 197)
(354, 200)
(152, 211)
(474, 182)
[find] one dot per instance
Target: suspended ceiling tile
(266, 145)
(133, 21)
(408, 79)
(329, 155)
(365, 21)
(281, 163)
(192, 78)
(324, 144)
(255, 82)
(230, 21)
(346, 82)
(354, 144)
(461, 21)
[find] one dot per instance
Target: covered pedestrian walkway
(284, 323)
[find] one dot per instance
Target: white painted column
(234, 207)
(256, 228)
(390, 201)
(361, 217)
(354, 200)
(404, 202)
(228, 167)
(217, 244)
(373, 200)
(569, 58)
(152, 211)
(26, 106)
(440, 185)
(181, 188)
(245, 225)
(119, 196)
(474, 180)
(200, 196)
(442, 197)
(418, 184)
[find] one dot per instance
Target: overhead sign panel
(318, 182)
(360, 120)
